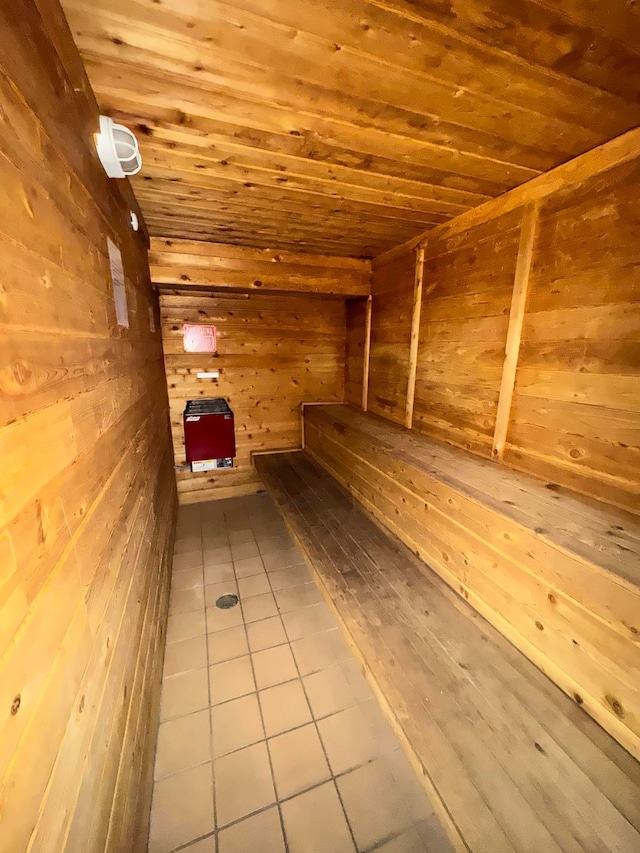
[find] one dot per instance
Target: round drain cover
(227, 601)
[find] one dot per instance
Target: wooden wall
(576, 407)
(86, 493)
(274, 352)
(199, 264)
(468, 282)
(528, 349)
(392, 300)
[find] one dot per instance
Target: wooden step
(509, 762)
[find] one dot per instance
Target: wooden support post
(415, 334)
(366, 354)
(528, 230)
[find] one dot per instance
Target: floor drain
(227, 601)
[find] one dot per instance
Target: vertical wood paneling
(576, 407)
(86, 493)
(392, 289)
(274, 352)
(463, 330)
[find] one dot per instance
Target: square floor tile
(266, 633)
(380, 729)
(254, 585)
(182, 809)
(262, 833)
(347, 739)
(186, 600)
(184, 693)
(308, 620)
(187, 579)
(320, 651)
(218, 619)
(269, 544)
(217, 556)
(227, 644)
(182, 743)
(410, 842)
(293, 576)
(248, 567)
(374, 804)
(239, 537)
(181, 626)
(329, 691)
(214, 536)
(205, 845)
(295, 597)
(231, 679)
(236, 724)
(259, 607)
(273, 666)
(356, 679)
(219, 574)
(277, 560)
(406, 779)
(185, 655)
(243, 783)
(188, 544)
(213, 591)
(284, 707)
(244, 550)
(315, 823)
(298, 761)
(187, 560)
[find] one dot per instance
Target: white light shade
(117, 149)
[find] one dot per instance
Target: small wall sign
(199, 338)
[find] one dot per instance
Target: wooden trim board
(366, 355)
(514, 334)
(415, 337)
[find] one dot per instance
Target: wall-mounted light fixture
(117, 149)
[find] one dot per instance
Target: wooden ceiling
(348, 127)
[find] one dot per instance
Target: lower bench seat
(556, 573)
(509, 761)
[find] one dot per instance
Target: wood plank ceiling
(347, 127)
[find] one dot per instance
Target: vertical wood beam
(415, 334)
(528, 229)
(366, 354)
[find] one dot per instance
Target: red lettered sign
(199, 338)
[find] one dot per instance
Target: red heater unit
(209, 434)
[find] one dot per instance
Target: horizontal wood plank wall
(192, 263)
(463, 330)
(576, 407)
(574, 415)
(274, 352)
(354, 367)
(392, 287)
(557, 576)
(87, 502)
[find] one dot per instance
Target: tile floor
(270, 739)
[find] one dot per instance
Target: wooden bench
(556, 573)
(509, 761)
